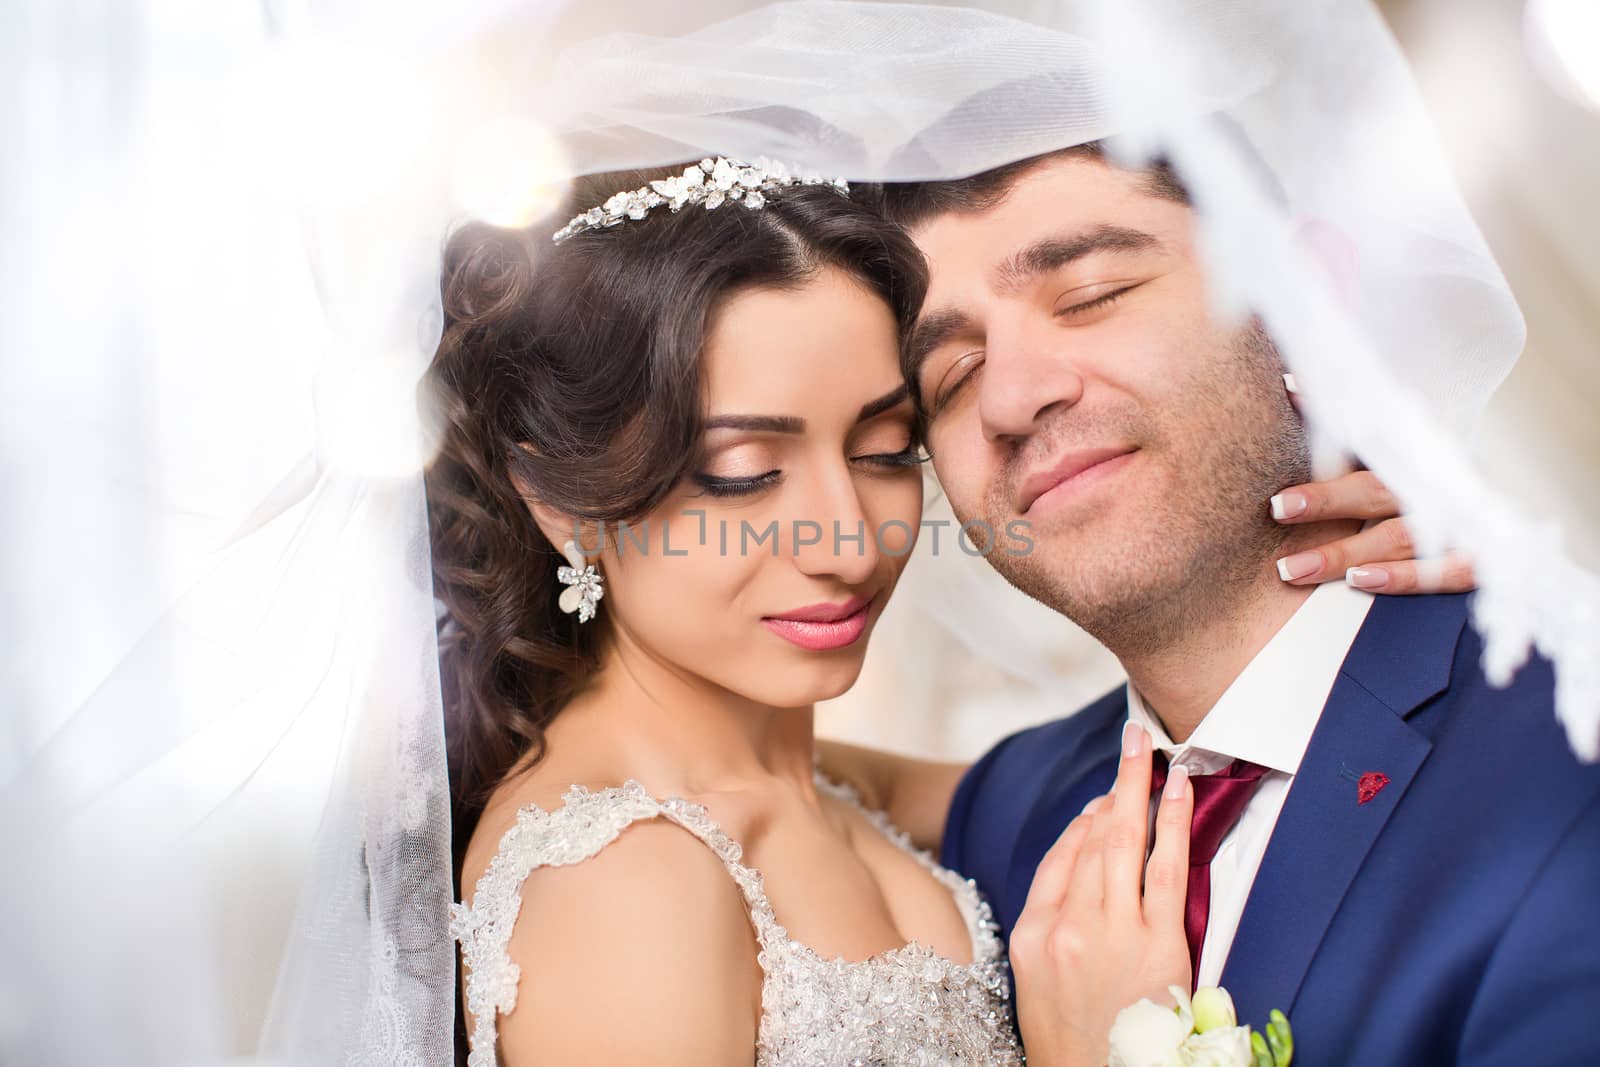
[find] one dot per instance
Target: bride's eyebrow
(893, 398)
(794, 423)
(757, 423)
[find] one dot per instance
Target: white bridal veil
(225, 831)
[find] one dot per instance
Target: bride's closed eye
(719, 486)
(723, 485)
(715, 485)
(738, 471)
(887, 444)
(910, 456)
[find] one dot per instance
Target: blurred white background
(1513, 87)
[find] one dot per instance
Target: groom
(1411, 859)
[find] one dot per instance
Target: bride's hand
(1381, 558)
(1103, 927)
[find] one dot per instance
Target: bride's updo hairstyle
(573, 369)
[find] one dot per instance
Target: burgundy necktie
(1219, 800)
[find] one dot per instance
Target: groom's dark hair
(911, 203)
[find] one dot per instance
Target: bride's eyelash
(726, 487)
(736, 486)
(910, 456)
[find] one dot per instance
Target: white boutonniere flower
(1200, 1032)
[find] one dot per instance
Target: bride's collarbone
(842, 889)
(836, 883)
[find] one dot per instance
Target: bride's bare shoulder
(544, 784)
(651, 920)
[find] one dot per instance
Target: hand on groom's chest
(1265, 718)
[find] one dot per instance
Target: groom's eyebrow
(874, 408)
(1055, 252)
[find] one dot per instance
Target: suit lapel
(1322, 837)
(1400, 660)
(1083, 774)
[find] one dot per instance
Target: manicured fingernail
(1288, 504)
(1299, 565)
(1290, 384)
(1177, 778)
(1133, 740)
(1367, 577)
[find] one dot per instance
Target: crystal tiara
(711, 182)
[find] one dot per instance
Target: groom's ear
(1335, 254)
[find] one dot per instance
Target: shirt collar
(1268, 714)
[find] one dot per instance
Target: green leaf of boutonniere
(1280, 1039)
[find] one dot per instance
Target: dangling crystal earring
(583, 580)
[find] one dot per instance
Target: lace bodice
(906, 1006)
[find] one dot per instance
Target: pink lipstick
(822, 627)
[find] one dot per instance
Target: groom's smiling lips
(1069, 472)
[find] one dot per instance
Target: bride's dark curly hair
(573, 369)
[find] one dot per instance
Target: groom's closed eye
(944, 378)
(942, 345)
(1078, 306)
(1043, 258)
(960, 372)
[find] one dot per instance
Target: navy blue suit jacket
(1453, 919)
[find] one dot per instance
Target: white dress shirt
(1266, 716)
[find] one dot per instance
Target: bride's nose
(831, 536)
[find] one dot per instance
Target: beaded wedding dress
(906, 1006)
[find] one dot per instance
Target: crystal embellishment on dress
(908, 1005)
(711, 182)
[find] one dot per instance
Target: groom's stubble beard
(1196, 550)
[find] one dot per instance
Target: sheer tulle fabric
(226, 833)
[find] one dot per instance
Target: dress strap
(585, 823)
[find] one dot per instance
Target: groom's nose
(1027, 376)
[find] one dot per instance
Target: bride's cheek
(891, 508)
(899, 532)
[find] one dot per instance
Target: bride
(680, 476)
